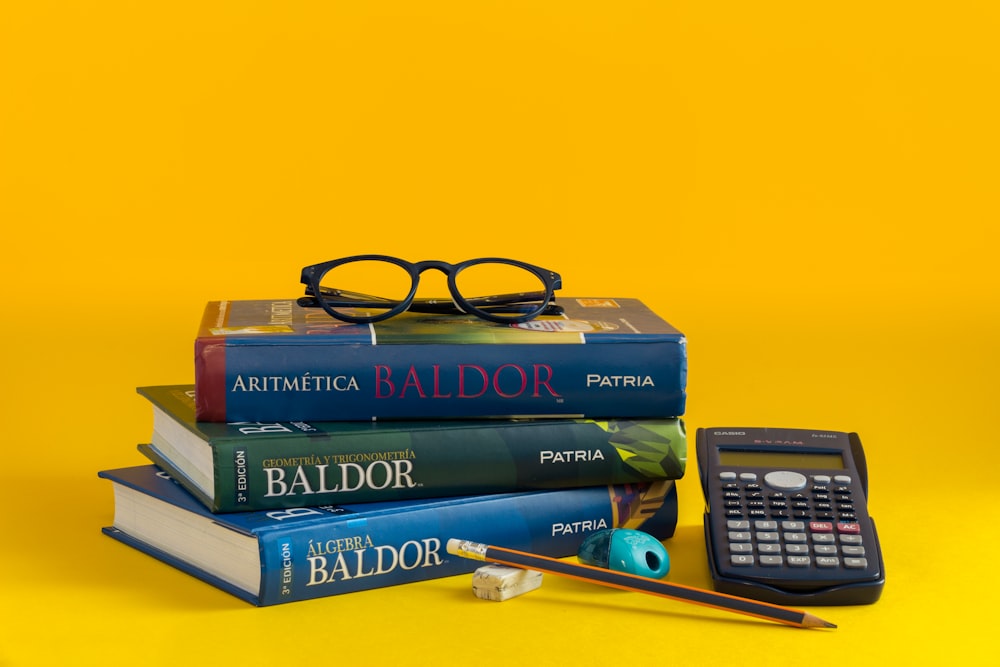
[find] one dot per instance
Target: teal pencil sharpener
(625, 550)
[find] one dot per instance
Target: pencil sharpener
(625, 550)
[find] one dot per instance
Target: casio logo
(730, 433)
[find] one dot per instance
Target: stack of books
(313, 457)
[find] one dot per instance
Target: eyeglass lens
(357, 288)
(369, 288)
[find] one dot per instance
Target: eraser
(499, 582)
(625, 550)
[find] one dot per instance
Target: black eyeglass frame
(536, 303)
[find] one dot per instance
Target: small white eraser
(499, 582)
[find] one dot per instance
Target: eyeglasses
(527, 290)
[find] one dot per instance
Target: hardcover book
(274, 360)
(266, 465)
(271, 557)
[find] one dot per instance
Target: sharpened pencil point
(810, 621)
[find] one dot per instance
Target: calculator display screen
(780, 460)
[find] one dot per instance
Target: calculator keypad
(792, 520)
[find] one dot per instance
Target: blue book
(272, 360)
(271, 557)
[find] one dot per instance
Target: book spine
(391, 549)
(472, 458)
(239, 380)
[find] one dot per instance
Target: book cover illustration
(256, 465)
(271, 557)
(269, 360)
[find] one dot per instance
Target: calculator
(786, 517)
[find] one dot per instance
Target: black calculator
(786, 517)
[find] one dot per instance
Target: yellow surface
(807, 190)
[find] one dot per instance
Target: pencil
(631, 582)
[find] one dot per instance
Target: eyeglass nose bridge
(448, 269)
(443, 267)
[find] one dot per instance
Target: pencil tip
(810, 621)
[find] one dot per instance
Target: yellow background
(807, 190)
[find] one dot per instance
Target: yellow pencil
(631, 582)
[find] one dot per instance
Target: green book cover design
(292, 464)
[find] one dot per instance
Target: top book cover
(272, 360)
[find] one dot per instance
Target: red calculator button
(849, 528)
(820, 527)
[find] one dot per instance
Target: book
(278, 556)
(266, 465)
(272, 360)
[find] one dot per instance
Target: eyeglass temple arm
(438, 307)
(345, 298)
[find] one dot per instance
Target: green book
(245, 466)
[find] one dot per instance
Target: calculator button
(739, 536)
(785, 480)
(766, 525)
(740, 548)
(727, 476)
(852, 551)
(850, 539)
(856, 563)
(842, 479)
(849, 528)
(771, 561)
(823, 538)
(821, 479)
(827, 561)
(798, 561)
(738, 525)
(797, 549)
(767, 536)
(795, 538)
(741, 560)
(820, 527)
(748, 477)
(769, 548)
(825, 549)
(793, 526)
